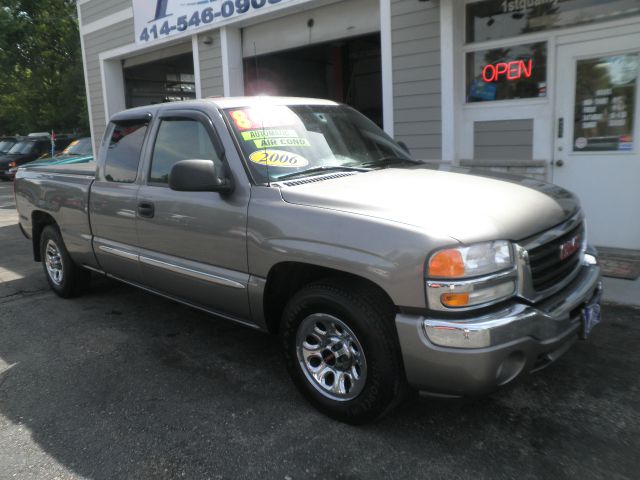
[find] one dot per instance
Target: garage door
(337, 21)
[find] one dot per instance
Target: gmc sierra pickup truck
(301, 217)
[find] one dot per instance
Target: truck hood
(468, 208)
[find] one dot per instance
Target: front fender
(389, 254)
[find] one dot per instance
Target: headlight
(471, 276)
(471, 261)
(11, 164)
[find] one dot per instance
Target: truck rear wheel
(342, 351)
(64, 277)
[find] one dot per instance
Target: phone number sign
(155, 19)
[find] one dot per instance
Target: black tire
(371, 319)
(73, 279)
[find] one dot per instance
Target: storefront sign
(155, 19)
(494, 19)
(518, 71)
(514, 70)
(605, 103)
(519, 5)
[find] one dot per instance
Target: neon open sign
(514, 70)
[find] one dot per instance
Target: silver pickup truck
(300, 217)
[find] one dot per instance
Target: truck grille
(548, 268)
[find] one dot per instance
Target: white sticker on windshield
(278, 158)
(282, 142)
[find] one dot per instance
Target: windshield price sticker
(282, 142)
(261, 118)
(272, 133)
(163, 18)
(278, 158)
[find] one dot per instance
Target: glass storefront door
(597, 148)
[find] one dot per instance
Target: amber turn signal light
(446, 263)
(455, 299)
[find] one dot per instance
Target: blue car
(78, 151)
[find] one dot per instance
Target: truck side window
(123, 153)
(180, 139)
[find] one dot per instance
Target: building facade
(543, 88)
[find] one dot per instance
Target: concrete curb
(621, 292)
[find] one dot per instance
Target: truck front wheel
(64, 277)
(342, 351)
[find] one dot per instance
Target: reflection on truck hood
(469, 208)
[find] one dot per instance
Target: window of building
(123, 153)
(180, 139)
(605, 103)
(517, 71)
(494, 19)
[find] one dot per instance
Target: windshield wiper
(323, 168)
(390, 160)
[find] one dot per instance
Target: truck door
(113, 199)
(193, 244)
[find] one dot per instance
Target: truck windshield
(22, 147)
(297, 140)
(6, 145)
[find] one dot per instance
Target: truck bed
(85, 169)
(61, 193)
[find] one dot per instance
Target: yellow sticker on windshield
(282, 142)
(271, 133)
(278, 158)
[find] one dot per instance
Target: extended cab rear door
(193, 245)
(113, 198)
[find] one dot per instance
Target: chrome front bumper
(475, 355)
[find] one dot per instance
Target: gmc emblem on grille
(569, 247)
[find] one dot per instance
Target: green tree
(41, 75)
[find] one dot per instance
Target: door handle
(146, 209)
(560, 127)
(559, 163)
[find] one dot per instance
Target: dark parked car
(27, 150)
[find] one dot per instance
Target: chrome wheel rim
(331, 357)
(53, 262)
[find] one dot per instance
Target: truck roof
(233, 102)
(221, 102)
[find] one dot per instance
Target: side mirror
(197, 176)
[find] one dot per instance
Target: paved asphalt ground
(122, 384)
